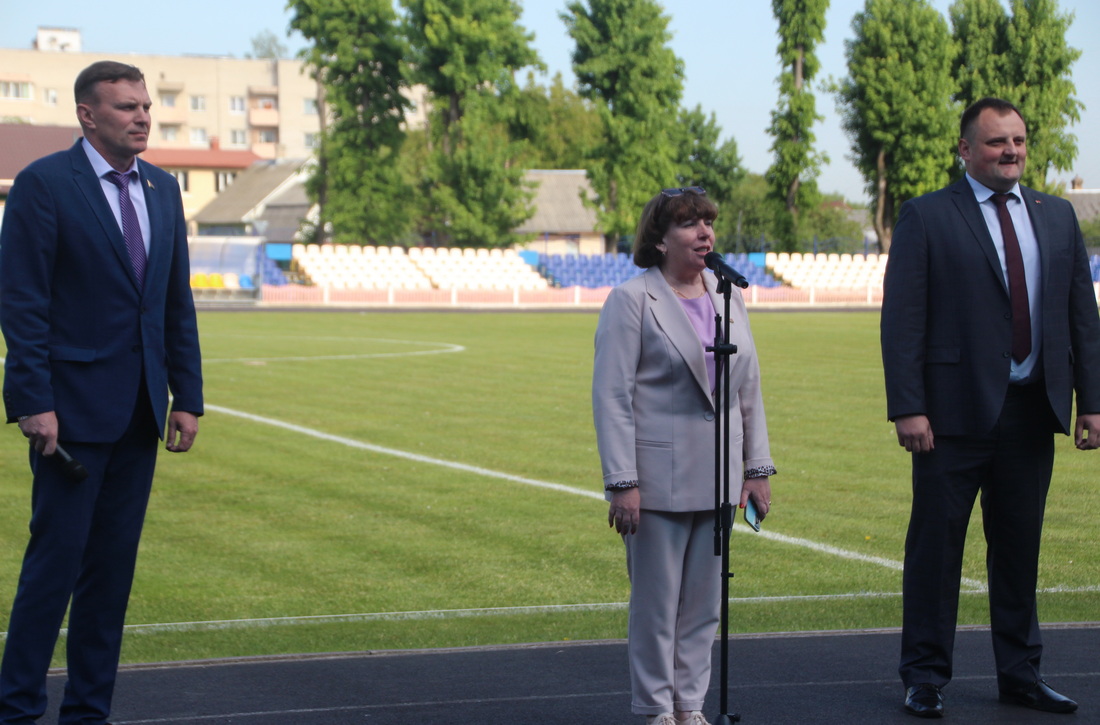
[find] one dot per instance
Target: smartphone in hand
(752, 516)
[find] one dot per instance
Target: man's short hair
(975, 109)
(104, 71)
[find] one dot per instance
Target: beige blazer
(652, 400)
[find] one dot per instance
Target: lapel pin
(150, 183)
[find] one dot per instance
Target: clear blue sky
(728, 48)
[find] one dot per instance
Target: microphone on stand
(717, 263)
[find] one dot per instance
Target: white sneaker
(695, 718)
(665, 718)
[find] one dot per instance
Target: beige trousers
(675, 592)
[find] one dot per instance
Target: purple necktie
(1017, 283)
(131, 230)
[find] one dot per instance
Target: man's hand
(41, 430)
(1091, 440)
(182, 429)
(915, 433)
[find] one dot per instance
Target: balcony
(263, 117)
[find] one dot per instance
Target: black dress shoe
(1038, 697)
(924, 700)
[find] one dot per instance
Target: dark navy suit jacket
(946, 318)
(81, 334)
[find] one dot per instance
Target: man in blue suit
(989, 326)
(97, 313)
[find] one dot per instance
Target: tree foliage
(466, 53)
(562, 129)
(624, 66)
(707, 162)
(1041, 64)
(1022, 56)
(266, 44)
(356, 56)
(796, 165)
(896, 104)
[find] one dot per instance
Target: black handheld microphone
(717, 262)
(73, 468)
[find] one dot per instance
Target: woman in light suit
(654, 409)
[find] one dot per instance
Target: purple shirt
(700, 312)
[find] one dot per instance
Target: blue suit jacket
(81, 335)
(947, 322)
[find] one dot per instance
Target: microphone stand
(723, 507)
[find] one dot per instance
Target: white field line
(257, 623)
(488, 473)
(973, 586)
(440, 348)
(352, 443)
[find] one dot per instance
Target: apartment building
(268, 107)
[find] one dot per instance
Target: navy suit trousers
(83, 548)
(1011, 467)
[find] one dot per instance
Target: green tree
(746, 223)
(266, 44)
(704, 160)
(561, 128)
(624, 65)
(1091, 231)
(979, 29)
(357, 56)
(466, 53)
(792, 174)
(1040, 64)
(708, 163)
(896, 104)
(1022, 57)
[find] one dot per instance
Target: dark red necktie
(131, 230)
(1017, 282)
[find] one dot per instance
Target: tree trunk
(881, 229)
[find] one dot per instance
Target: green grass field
(368, 481)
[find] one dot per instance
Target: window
(309, 106)
(50, 95)
(15, 89)
(169, 133)
(269, 136)
(313, 140)
(198, 137)
(236, 104)
(183, 178)
(198, 103)
(223, 180)
(168, 100)
(267, 103)
(238, 137)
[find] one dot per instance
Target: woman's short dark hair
(104, 71)
(660, 214)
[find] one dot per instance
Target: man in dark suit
(97, 313)
(989, 325)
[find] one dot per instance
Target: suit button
(708, 415)
(1008, 315)
(1006, 354)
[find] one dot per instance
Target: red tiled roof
(22, 143)
(200, 158)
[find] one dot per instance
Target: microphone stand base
(727, 719)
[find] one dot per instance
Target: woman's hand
(761, 491)
(624, 511)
